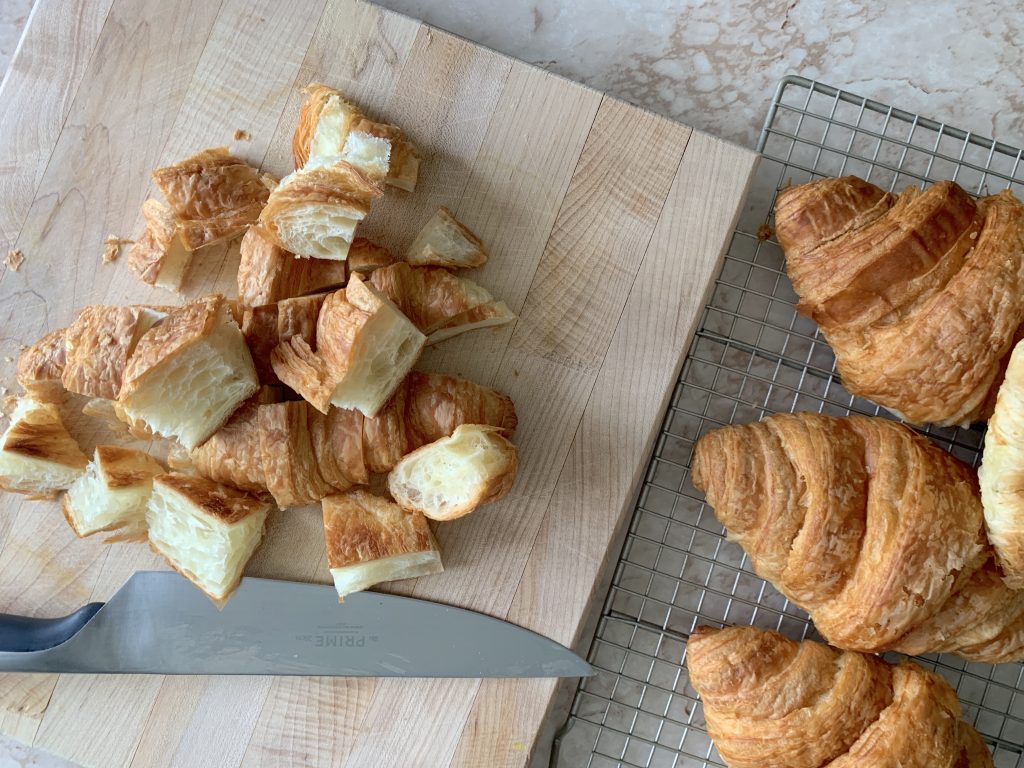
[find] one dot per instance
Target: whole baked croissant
(869, 527)
(771, 702)
(920, 295)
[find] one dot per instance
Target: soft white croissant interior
(207, 550)
(370, 154)
(37, 455)
(112, 493)
(197, 389)
(332, 128)
(360, 576)
(317, 230)
(452, 476)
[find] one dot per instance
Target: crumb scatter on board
(112, 247)
(14, 259)
(242, 135)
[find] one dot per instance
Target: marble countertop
(714, 64)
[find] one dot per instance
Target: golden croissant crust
(869, 527)
(771, 702)
(41, 367)
(214, 196)
(920, 295)
(98, 344)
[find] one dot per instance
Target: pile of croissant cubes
(889, 542)
(298, 391)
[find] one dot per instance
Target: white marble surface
(714, 64)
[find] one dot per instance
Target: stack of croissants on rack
(299, 391)
(884, 538)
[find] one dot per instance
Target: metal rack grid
(752, 356)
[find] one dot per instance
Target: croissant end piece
(371, 540)
(453, 476)
(1002, 472)
(189, 373)
(41, 367)
(439, 304)
(314, 211)
(159, 257)
(37, 455)
(436, 405)
(205, 531)
(870, 527)
(920, 296)
(113, 493)
(771, 702)
(445, 242)
(214, 195)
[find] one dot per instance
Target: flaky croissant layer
(771, 702)
(869, 527)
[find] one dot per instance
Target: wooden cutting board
(606, 226)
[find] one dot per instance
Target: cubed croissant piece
(113, 493)
(214, 196)
(289, 460)
(159, 257)
(436, 404)
(37, 455)
(297, 366)
(267, 273)
(41, 367)
(189, 373)
(438, 303)
(314, 211)
(453, 476)
(327, 122)
(98, 344)
(445, 242)
(371, 540)
(113, 416)
(232, 456)
(205, 531)
(259, 327)
(368, 344)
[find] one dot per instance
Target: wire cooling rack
(752, 356)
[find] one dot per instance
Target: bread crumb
(15, 259)
(7, 404)
(764, 232)
(112, 247)
(8, 359)
(241, 135)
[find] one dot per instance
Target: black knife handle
(23, 633)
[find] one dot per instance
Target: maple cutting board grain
(606, 225)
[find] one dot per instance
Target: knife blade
(159, 623)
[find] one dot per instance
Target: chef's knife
(159, 623)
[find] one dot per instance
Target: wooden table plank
(50, 62)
